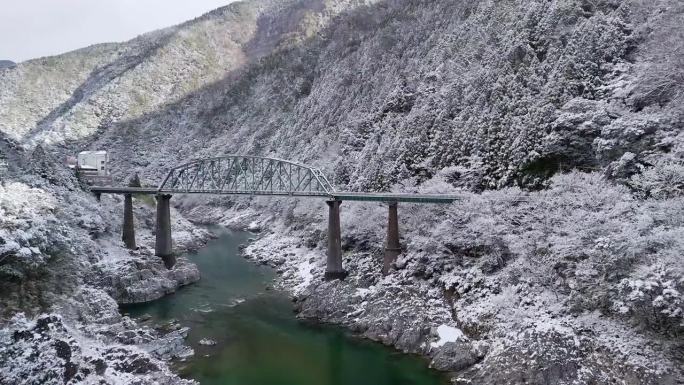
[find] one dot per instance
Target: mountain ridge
(541, 157)
(203, 61)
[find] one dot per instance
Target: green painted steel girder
(259, 176)
(342, 196)
(389, 197)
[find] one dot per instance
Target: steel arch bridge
(242, 174)
(253, 175)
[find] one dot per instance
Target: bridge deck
(344, 196)
(123, 190)
(394, 197)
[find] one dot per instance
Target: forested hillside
(506, 94)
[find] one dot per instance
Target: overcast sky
(35, 28)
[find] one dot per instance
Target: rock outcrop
(98, 346)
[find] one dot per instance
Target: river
(259, 339)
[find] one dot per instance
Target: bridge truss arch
(242, 174)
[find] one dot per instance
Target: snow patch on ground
(305, 273)
(446, 334)
(363, 292)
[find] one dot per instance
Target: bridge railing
(242, 174)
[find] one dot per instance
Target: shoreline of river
(317, 307)
(433, 305)
(191, 312)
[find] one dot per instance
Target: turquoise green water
(259, 340)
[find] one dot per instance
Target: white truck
(93, 166)
(94, 162)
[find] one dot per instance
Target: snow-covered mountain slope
(507, 92)
(73, 95)
(580, 284)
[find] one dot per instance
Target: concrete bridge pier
(333, 269)
(392, 246)
(163, 243)
(128, 233)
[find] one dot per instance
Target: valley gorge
(559, 123)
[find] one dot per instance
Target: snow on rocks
(168, 345)
(140, 276)
(95, 314)
(454, 356)
(363, 292)
(49, 351)
(145, 278)
(60, 253)
(254, 227)
(446, 334)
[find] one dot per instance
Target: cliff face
(425, 96)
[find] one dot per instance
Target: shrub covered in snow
(663, 180)
(655, 300)
(583, 239)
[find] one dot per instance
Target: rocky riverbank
(469, 291)
(86, 341)
(418, 315)
(64, 273)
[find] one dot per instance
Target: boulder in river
(207, 342)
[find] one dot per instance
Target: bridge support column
(128, 233)
(333, 269)
(163, 242)
(392, 246)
